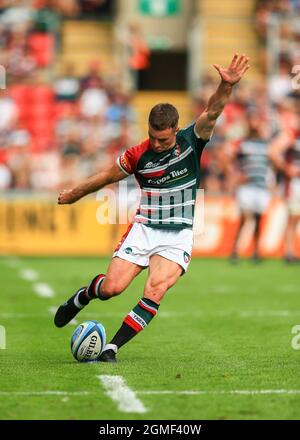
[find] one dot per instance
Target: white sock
(112, 347)
(76, 300)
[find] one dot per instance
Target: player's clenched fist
(67, 196)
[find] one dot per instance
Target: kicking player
(167, 168)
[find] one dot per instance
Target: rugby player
(255, 178)
(285, 154)
(167, 168)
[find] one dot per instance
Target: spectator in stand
(295, 6)
(120, 108)
(67, 87)
(94, 77)
(137, 54)
(120, 136)
(19, 62)
(9, 112)
(66, 124)
(68, 8)
(19, 137)
(72, 144)
(4, 36)
(263, 10)
(19, 164)
(281, 10)
(93, 138)
(16, 158)
(93, 101)
(46, 18)
(280, 84)
(45, 171)
(5, 177)
(70, 168)
(19, 15)
(95, 6)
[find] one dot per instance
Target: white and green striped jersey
(168, 180)
(254, 162)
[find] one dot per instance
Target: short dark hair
(163, 116)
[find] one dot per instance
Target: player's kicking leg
(163, 274)
(119, 275)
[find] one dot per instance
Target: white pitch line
(22, 315)
(270, 313)
(29, 274)
(45, 393)
(217, 313)
(12, 261)
(221, 289)
(151, 392)
(221, 392)
(166, 315)
(116, 388)
(43, 290)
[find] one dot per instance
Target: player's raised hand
(67, 196)
(238, 66)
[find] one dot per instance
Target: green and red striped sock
(136, 320)
(93, 291)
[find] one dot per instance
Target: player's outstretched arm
(230, 76)
(92, 184)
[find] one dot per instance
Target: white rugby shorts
(140, 242)
(252, 199)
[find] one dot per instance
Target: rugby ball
(88, 341)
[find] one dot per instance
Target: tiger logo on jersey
(177, 151)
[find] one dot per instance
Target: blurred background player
(250, 168)
(285, 154)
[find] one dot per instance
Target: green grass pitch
(219, 348)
